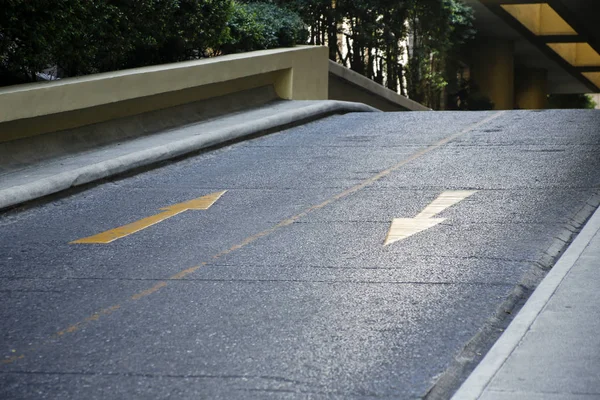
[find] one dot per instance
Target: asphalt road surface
(278, 282)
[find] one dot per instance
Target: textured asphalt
(295, 296)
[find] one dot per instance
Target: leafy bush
(565, 101)
(163, 31)
(255, 26)
(31, 32)
(469, 97)
(88, 36)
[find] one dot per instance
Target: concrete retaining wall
(299, 73)
(347, 85)
(28, 151)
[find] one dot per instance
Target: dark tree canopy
(565, 101)
(410, 46)
(87, 36)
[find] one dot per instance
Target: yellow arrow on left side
(201, 203)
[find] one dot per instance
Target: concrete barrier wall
(24, 152)
(299, 73)
(347, 85)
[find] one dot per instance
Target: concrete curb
(480, 378)
(62, 181)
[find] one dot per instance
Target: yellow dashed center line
(94, 317)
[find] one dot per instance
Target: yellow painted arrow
(402, 228)
(201, 203)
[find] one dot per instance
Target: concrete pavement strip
(513, 340)
(52, 176)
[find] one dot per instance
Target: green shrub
(30, 33)
(87, 36)
(165, 31)
(572, 101)
(257, 26)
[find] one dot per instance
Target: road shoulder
(550, 333)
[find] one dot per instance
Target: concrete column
(531, 89)
(596, 98)
(492, 69)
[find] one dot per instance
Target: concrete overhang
(560, 36)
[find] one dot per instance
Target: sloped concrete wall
(347, 85)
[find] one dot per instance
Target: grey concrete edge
(483, 374)
(43, 187)
(374, 87)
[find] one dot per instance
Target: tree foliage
(564, 101)
(410, 46)
(260, 25)
(88, 36)
(438, 29)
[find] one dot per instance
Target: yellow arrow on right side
(403, 228)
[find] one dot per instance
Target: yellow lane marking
(201, 203)
(148, 292)
(402, 228)
(178, 276)
(286, 222)
(94, 317)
